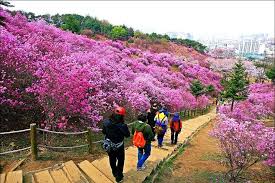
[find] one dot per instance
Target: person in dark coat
(116, 130)
(150, 117)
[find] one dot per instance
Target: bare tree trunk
(232, 105)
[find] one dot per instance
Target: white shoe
(141, 168)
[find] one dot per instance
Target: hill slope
(63, 77)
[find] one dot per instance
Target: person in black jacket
(150, 116)
(115, 130)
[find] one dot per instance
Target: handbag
(109, 146)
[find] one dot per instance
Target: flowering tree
(226, 66)
(243, 138)
(244, 144)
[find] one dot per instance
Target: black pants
(116, 159)
(153, 130)
(174, 136)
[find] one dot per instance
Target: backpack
(138, 139)
(158, 128)
(175, 125)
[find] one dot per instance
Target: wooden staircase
(99, 170)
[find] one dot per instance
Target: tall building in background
(180, 35)
(249, 46)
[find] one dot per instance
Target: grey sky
(205, 18)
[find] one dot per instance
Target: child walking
(175, 126)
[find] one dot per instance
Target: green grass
(202, 176)
(212, 157)
(165, 168)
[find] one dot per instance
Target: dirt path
(201, 162)
(99, 171)
(48, 158)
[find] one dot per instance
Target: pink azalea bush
(244, 144)
(226, 65)
(72, 76)
(243, 138)
(258, 105)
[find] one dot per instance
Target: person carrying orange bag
(142, 138)
(175, 126)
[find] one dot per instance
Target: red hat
(120, 111)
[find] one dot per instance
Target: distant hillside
(187, 53)
(63, 80)
(95, 28)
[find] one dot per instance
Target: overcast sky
(201, 18)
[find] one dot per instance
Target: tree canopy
(235, 86)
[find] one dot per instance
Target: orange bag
(138, 139)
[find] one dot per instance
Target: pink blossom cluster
(245, 141)
(258, 105)
(241, 133)
(73, 76)
(226, 65)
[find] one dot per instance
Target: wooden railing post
(33, 136)
(89, 139)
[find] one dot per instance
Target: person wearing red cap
(115, 130)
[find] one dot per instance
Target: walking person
(151, 116)
(161, 121)
(175, 126)
(115, 130)
(143, 136)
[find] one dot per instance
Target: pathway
(99, 170)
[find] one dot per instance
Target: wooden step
(29, 178)
(93, 173)
(130, 162)
(14, 177)
(134, 176)
(73, 173)
(2, 178)
(43, 177)
(59, 176)
(103, 165)
(32, 179)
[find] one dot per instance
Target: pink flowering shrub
(258, 105)
(243, 138)
(73, 77)
(244, 144)
(226, 65)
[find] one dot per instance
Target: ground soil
(201, 162)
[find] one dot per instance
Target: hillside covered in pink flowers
(61, 75)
